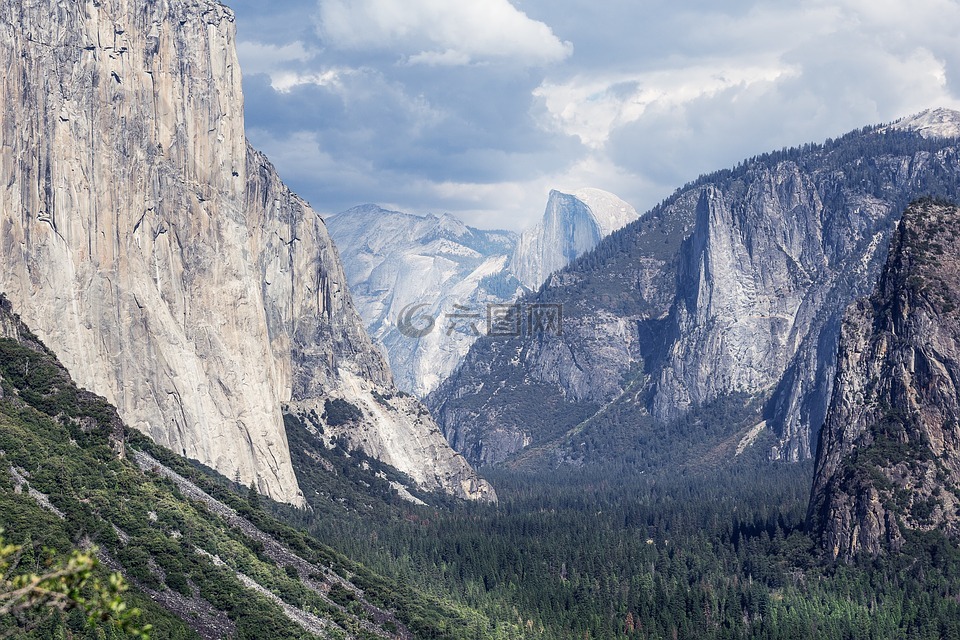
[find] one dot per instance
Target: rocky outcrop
(407, 271)
(395, 428)
(150, 248)
(889, 454)
(774, 260)
(757, 296)
(572, 224)
(734, 286)
(930, 123)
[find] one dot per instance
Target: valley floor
(614, 553)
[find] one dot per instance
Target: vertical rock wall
(151, 249)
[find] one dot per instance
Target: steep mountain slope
(889, 454)
(394, 260)
(727, 295)
(409, 270)
(163, 259)
(203, 561)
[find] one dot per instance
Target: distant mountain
(930, 123)
(425, 266)
(714, 318)
(407, 270)
(572, 225)
(889, 455)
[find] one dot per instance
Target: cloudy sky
(480, 107)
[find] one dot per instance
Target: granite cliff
(889, 454)
(572, 224)
(162, 258)
(422, 268)
(729, 294)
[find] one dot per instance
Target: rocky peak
(572, 224)
(609, 211)
(889, 455)
(932, 123)
(452, 226)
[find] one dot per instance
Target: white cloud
(476, 107)
(909, 19)
(448, 58)
(439, 32)
(519, 204)
(590, 107)
(286, 65)
(302, 158)
(285, 81)
(770, 72)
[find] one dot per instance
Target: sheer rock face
(150, 248)
(889, 454)
(572, 224)
(757, 296)
(313, 327)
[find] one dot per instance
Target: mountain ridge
(646, 319)
(450, 274)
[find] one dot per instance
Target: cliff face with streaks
(157, 254)
(889, 455)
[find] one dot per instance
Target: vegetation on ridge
(188, 561)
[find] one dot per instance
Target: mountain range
(424, 284)
(727, 297)
(736, 415)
